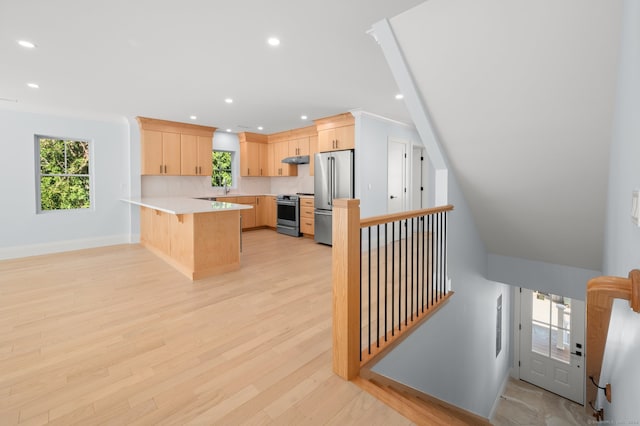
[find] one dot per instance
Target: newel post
(346, 287)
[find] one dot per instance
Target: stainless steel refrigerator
(333, 178)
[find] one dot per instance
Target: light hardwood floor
(116, 336)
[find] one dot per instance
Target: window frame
(231, 168)
(38, 174)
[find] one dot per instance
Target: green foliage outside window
(64, 174)
(221, 168)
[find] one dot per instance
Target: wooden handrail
(601, 291)
(379, 220)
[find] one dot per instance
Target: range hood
(297, 159)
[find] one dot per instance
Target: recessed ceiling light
(228, 130)
(304, 117)
(273, 41)
(193, 117)
(399, 96)
(33, 85)
(27, 44)
(229, 100)
(260, 128)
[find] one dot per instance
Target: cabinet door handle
(165, 168)
(160, 168)
(200, 169)
(248, 171)
(196, 167)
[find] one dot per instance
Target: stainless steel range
(288, 215)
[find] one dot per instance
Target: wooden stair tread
(418, 410)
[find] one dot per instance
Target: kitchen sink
(206, 198)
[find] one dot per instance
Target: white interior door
(552, 343)
(396, 176)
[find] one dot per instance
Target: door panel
(343, 174)
(552, 343)
(396, 177)
(321, 182)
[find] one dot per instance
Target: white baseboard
(499, 396)
(68, 245)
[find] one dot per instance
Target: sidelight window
(551, 326)
(63, 180)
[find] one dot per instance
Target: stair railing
(601, 291)
(389, 274)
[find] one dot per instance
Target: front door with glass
(552, 343)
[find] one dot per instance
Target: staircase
(389, 276)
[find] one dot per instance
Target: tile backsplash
(186, 186)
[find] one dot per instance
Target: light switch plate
(635, 207)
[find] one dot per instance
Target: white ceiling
(522, 94)
(171, 59)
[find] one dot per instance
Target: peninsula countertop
(184, 205)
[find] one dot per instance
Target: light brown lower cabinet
(262, 214)
(197, 244)
(271, 211)
(249, 215)
(306, 215)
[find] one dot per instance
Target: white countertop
(184, 205)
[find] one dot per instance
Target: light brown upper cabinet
(280, 151)
(336, 133)
(299, 146)
(262, 155)
(195, 155)
(160, 152)
(253, 154)
(253, 159)
(161, 145)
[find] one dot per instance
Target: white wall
(372, 137)
(621, 366)
(22, 231)
(548, 277)
(452, 356)
(551, 278)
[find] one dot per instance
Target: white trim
(406, 176)
(358, 113)
(384, 35)
(515, 368)
(499, 397)
(62, 246)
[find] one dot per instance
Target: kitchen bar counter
(185, 205)
(197, 237)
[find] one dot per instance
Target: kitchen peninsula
(197, 237)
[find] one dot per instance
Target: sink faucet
(226, 187)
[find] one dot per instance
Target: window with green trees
(63, 173)
(222, 161)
